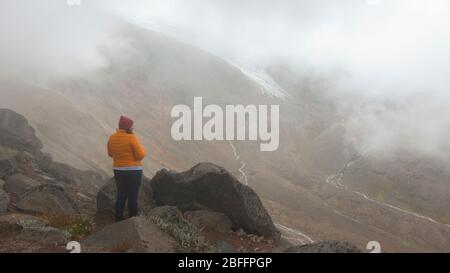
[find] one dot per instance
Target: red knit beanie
(125, 123)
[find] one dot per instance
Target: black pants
(127, 183)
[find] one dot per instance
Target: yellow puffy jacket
(125, 149)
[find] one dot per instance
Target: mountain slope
(145, 78)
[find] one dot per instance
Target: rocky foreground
(45, 204)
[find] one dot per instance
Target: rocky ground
(45, 204)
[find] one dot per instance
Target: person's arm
(109, 148)
(138, 150)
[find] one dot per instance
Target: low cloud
(392, 56)
(389, 59)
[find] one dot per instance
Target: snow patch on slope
(267, 84)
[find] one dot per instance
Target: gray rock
(106, 197)
(19, 184)
(7, 166)
(2, 183)
(15, 132)
(7, 152)
(136, 234)
(44, 235)
(325, 247)
(47, 199)
(284, 244)
(69, 175)
(209, 220)
(17, 222)
(4, 200)
(208, 186)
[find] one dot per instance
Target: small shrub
(188, 236)
(78, 226)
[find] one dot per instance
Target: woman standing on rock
(127, 152)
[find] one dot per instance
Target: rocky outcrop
(19, 184)
(44, 235)
(106, 196)
(7, 161)
(4, 197)
(47, 199)
(325, 247)
(19, 221)
(15, 132)
(209, 220)
(135, 234)
(4, 200)
(33, 181)
(209, 187)
(66, 174)
(6, 167)
(32, 229)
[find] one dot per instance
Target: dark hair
(130, 131)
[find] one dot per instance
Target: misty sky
(383, 49)
(404, 44)
(385, 53)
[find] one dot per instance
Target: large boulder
(325, 247)
(208, 186)
(15, 132)
(32, 229)
(209, 220)
(135, 234)
(44, 235)
(106, 196)
(18, 184)
(7, 166)
(69, 175)
(47, 199)
(20, 221)
(4, 200)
